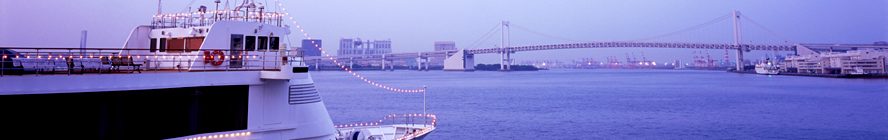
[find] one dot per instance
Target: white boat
(767, 68)
(209, 74)
(857, 71)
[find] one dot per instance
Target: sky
(414, 25)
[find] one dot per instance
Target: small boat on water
(767, 68)
(857, 71)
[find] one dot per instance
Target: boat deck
(394, 127)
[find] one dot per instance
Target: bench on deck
(128, 62)
(40, 65)
(89, 64)
(96, 64)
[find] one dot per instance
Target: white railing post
(423, 103)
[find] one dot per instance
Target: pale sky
(414, 25)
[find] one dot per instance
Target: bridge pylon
(737, 38)
(505, 61)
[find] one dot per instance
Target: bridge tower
(506, 63)
(740, 48)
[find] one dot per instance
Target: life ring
(211, 57)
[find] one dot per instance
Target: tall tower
(504, 43)
(737, 37)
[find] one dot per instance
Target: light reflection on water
(618, 104)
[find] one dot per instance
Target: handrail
(427, 120)
(204, 18)
(409, 119)
(70, 60)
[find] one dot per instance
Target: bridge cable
(485, 35)
(546, 35)
(726, 16)
(340, 64)
(485, 39)
(766, 29)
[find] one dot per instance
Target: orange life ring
(210, 57)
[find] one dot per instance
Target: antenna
(159, 5)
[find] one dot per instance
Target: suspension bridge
(463, 60)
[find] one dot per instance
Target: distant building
(311, 47)
(442, 46)
(869, 60)
(349, 46)
(379, 46)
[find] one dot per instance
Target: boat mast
(159, 5)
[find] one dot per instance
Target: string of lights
(434, 120)
(51, 56)
(368, 81)
(228, 135)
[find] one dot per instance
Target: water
(618, 104)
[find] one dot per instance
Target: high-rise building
(311, 47)
(349, 46)
(442, 46)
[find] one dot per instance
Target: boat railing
(399, 119)
(75, 61)
(206, 18)
(426, 121)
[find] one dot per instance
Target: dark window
(125, 114)
(273, 43)
(263, 43)
(236, 42)
(153, 46)
(163, 44)
(176, 45)
(251, 43)
(193, 44)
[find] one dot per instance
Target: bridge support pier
(383, 63)
(740, 59)
(502, 61)
(506, 63)
(426, 64)
(460, 61)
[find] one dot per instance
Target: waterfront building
(869, 60)
(442, 46)
(311, 47)
(348, 46)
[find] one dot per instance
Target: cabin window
(236, 45)
(153, 45)
(175, 45)
(193, 44)
(163, 45)
(251, 43)
(263, 43)
(237, 42)
(273, 43)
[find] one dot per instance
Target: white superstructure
(192, 53)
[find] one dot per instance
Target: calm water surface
(617, 104)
